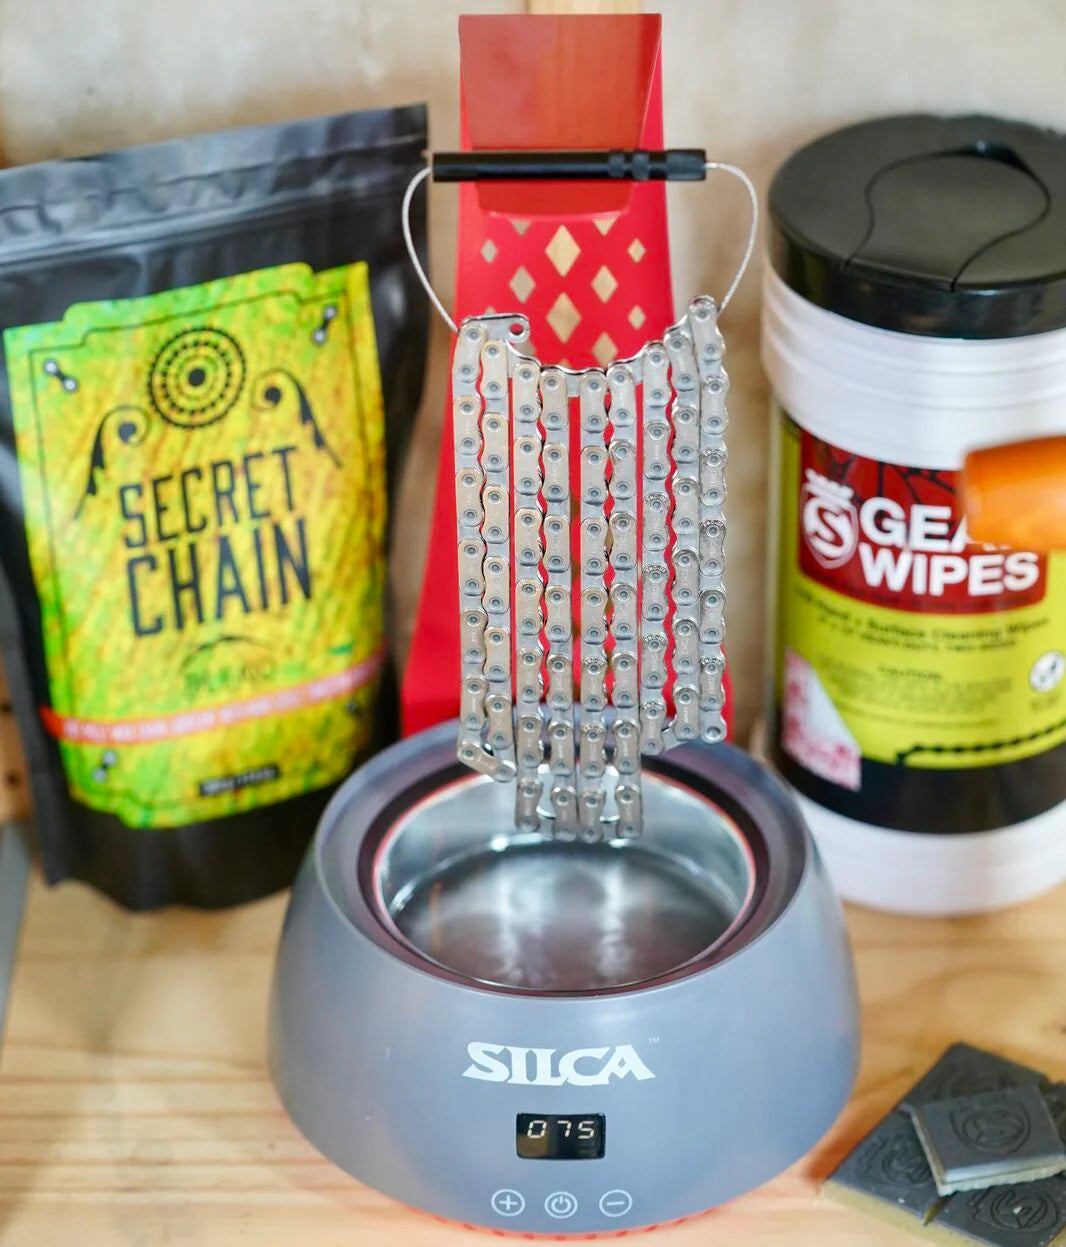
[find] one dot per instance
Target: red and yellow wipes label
(203, 484)
(899, 639)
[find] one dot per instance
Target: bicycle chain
(578, 774)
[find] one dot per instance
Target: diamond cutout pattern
(520, 227)
(604, 349)
(488, 251)
(522, 285)
(604, 283)
(604, 223)
(562, 250)
(563, 317)
(636, 316)
(636, 250)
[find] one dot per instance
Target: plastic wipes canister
(915, 308)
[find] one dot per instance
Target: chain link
(555, 416)
(469, 482)
(529, 593)
(592, 411)
(684, 417)
(708, 347)
(655, 574)
(625, 689)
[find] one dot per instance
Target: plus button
(507, 1203)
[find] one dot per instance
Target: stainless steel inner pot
(454, 882)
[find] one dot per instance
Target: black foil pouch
(213, 351)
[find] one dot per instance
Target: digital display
(550, 1137)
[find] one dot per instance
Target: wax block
(1030, 1214)
(993, 1139)
(888, 1172)
(965, 1070)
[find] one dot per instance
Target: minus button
(615, 1203)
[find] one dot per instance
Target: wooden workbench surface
(135, 1107)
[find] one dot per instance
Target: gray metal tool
(649, 594)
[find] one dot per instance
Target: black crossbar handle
(679, 164)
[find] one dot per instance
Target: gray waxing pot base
(444, 1000)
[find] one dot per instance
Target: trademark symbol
(653, 1039)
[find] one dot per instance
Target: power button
(560, 1205)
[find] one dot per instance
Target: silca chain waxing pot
(915, 308)
(564, 966)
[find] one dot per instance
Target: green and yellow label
(203, 484)
(899, 639)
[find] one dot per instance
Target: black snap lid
(947, 226)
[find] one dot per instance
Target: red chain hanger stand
(588, 263)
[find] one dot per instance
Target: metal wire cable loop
(405, 218)
(712, 166)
